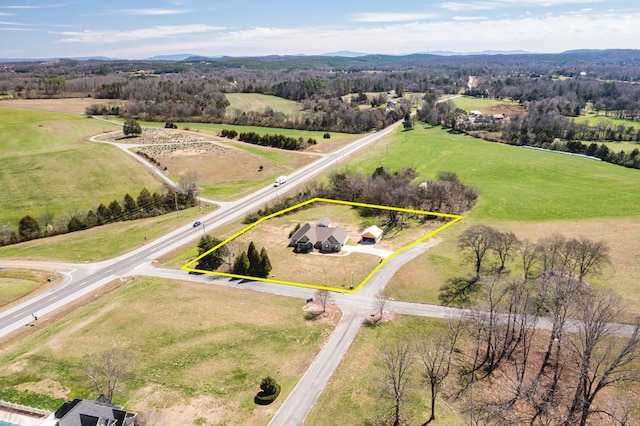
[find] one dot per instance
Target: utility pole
(175, 197)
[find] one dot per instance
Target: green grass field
(193, 344)
(48, 165)
(595, 120)
(102, 242)
(516, 184)
(259, 102)
(15, 284)
(479, 104)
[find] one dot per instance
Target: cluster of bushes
(270, 390)
(230, 134)
(276, 141)
(146, 205)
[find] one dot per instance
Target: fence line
(23, 409)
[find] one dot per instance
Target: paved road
(87, 278)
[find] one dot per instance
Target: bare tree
(395, 362)
(602, 360)
(549, 250)
(529, 256)
(476, 241)
(504, 244)
(379, 303)
(590, 256)
(323, 297)
(107, 369)
(435, 356)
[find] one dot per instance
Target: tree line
(274, 141)
(446, 194)
(499, 364)
(145, 205)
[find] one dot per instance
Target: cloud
(42, 6)
(469, 18)
(390, 17)
(149, 12)
(91, 37)
(496, 4)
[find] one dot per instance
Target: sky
(142, 29)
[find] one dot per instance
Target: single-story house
(320, 236)
(372, 234)
(83, 412)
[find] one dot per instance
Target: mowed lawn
(200, 350)
(484, 105)
(15, 284)
(515, 184)
(258, 102)
(596, 120)
(48, 165)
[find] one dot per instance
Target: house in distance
(321, 236)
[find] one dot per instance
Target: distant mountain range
(340, 54)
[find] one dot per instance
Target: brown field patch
(68, 105)
(420, 279)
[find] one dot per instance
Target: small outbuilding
(371, 235)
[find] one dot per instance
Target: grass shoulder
(101, 242)
(198, 347)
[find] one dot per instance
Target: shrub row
(274, 141)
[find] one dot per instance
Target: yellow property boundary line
(456, 218)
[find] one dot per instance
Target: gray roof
(317, 234)
(82, 412)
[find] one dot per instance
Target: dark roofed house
(320, 236)
(83, 412)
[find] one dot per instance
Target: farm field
(594, 120)
(486, 105)
(258, 102)
(65, 105)
(48, 165)
(200, 350)
(515, 184)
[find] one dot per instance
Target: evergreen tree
(265, 264)
(241, 264)
(28, 228)
(213, 260)
(254, 260)
(115, 211)
(102, 214)
(130, 207)
(76, 224)
(91, 220)
(145, 200)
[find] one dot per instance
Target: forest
(357, 95)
